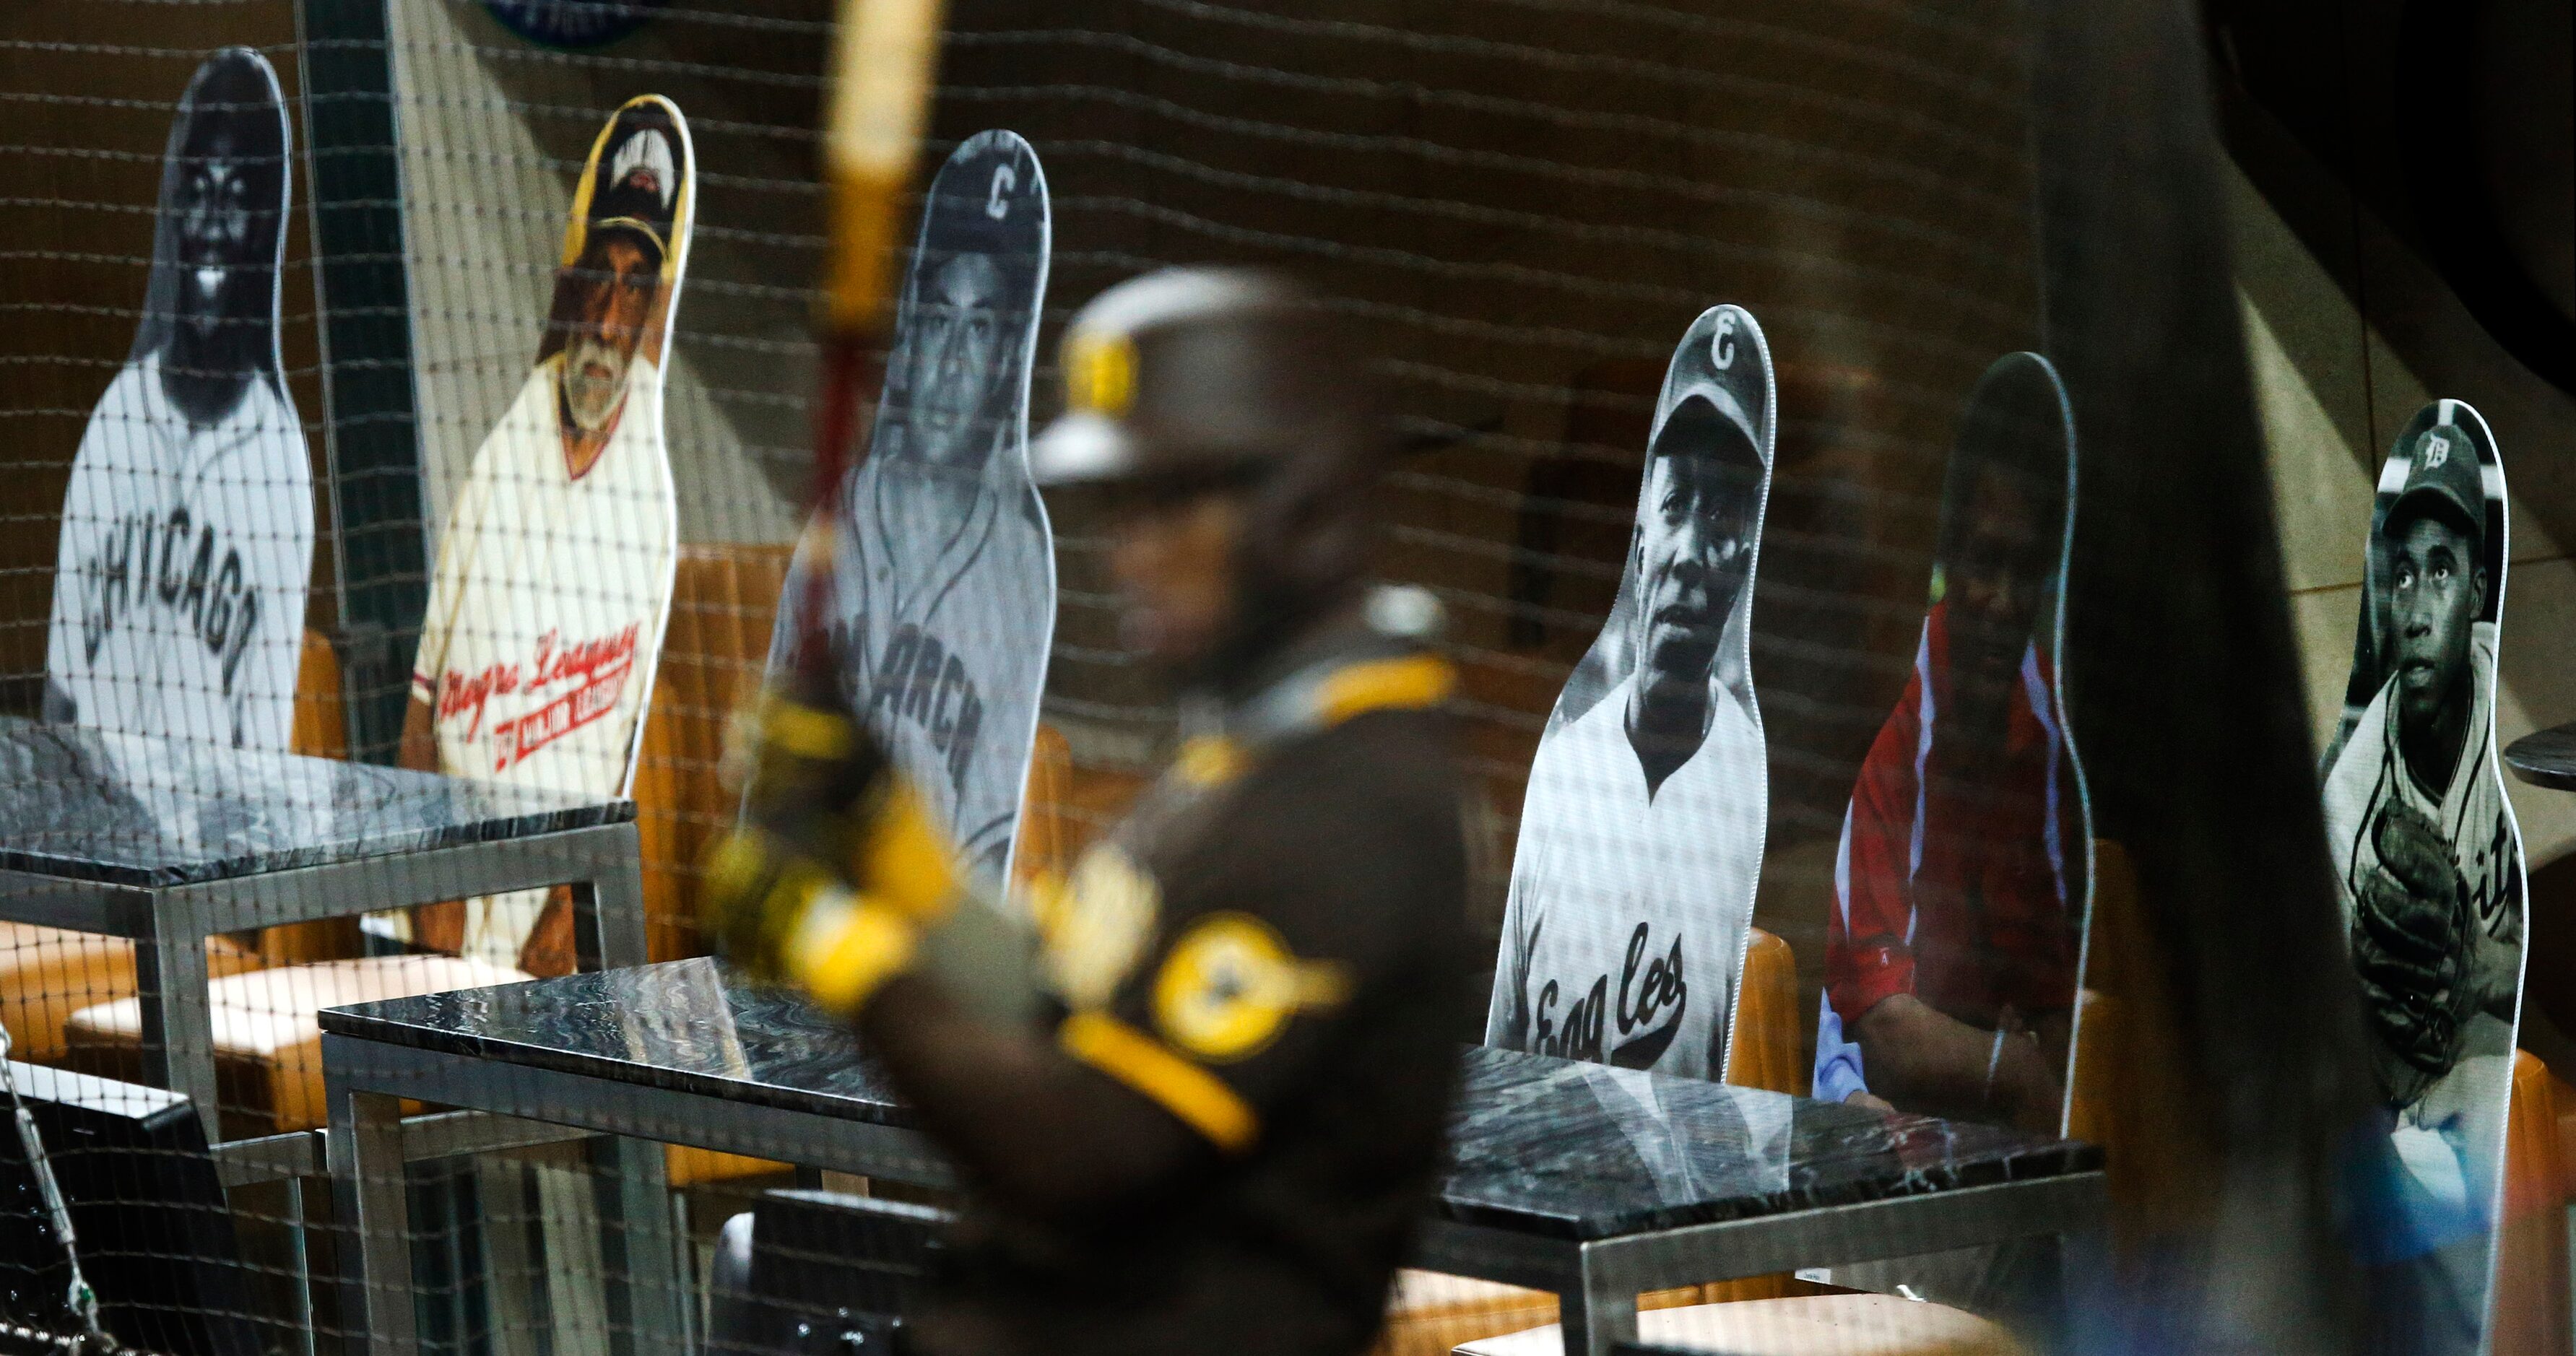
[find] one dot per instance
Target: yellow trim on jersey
(845, 947)
(1230, 985)
(905, 860)
(1208, 760)
(1411, 682)
(1200, 1099)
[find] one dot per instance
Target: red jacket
(1960, 899)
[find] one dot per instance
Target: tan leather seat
(47, 974)
(1763, 1049)
(1430, 1313)
(2530, 1310)
(1806, 1325)
(266, 1030)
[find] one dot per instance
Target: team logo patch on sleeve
(1096, 925)
(1230, 984)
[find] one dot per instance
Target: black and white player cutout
(1962, 883)
(1641, 833)
(554, 571)
(2427, 856)
(187, 533)
(942, 593)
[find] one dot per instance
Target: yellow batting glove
(902, 858)
(784, 918)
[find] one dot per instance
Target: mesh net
(427, 388)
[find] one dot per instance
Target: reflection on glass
(1959, 887)
(942, 601)
(2428, 860)
(1641, 832)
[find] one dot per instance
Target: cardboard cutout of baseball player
(554, 570)
(2427, 856)
(942, 593)
(187, 535)
(1641, 833)
(1962, 883)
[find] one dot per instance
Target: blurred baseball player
(187, 535)
(1641, 833)
(1208, 1126)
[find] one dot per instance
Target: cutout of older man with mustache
(554, 572)
(1641, 834)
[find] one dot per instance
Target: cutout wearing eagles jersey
(1641, 833)
(187, 535)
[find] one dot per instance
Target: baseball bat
(883, 56)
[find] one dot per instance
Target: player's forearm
(419, 750)
(1038, 1131)
(1923, 1059)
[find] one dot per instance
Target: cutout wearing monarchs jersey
(187, 533)
(1963, 879)
(2428, 859)
(1641, 833)
(941, 597)
(554, 570)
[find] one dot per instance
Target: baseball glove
(2410, 945)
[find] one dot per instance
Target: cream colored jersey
(179, 591)
(546, 612)
(2450, 1139)
(1630, 907)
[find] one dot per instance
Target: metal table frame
(170, 924)
(1598, 1281)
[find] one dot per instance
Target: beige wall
(493, 136)
(2332, 394)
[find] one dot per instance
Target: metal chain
(83, 1300)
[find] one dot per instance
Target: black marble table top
(1539, 1145)
(87, 805)
(2545, 757)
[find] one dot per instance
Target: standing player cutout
(941, 592)
(1641, 834)
(187, 534)
(554, 570)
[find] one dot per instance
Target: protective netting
(410, 414)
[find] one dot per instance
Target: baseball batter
(187, 533)
(942, 591)
(2428, 859)
(554, 570)
(1641, 833)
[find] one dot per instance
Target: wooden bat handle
(882, 63)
